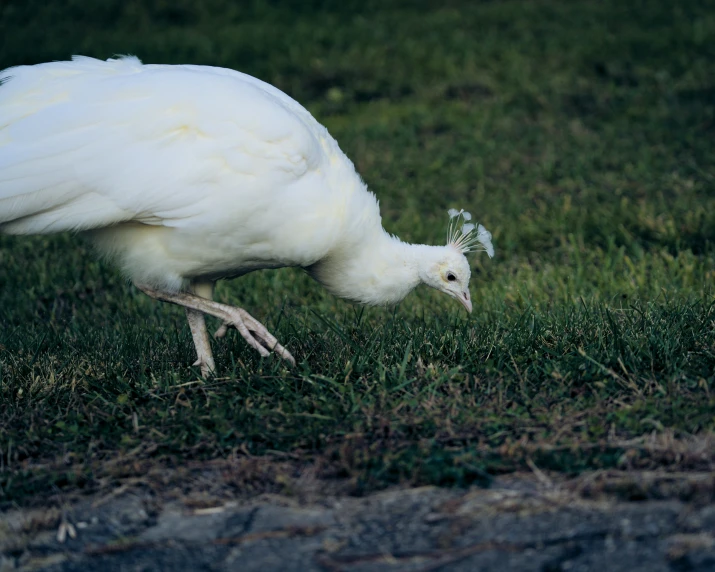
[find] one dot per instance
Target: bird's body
(180, 171)
(183, 175)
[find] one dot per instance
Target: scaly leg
(197, 323)
(255, 333)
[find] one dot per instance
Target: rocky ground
(523, 522)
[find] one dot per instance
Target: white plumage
(187, 174)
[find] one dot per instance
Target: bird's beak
(465, 300)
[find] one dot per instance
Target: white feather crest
(466, 236)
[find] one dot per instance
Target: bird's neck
(379, 270)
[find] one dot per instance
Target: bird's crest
(466, 236)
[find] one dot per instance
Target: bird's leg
(205, 358)
(255, 333)
(197, 323)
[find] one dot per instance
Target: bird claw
(255, 334)
(206, 369)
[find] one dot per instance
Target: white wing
(88, 144)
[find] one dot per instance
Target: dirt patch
(521, 522)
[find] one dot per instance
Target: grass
(579, 133)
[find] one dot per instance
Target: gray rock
(511, 526)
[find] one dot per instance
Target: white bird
(183, 175)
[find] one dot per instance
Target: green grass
(579, 133)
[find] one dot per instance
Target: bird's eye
(451, 277)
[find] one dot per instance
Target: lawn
(580, 133)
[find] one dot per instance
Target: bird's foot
(255, 333)
(206, 367)
(205, 360)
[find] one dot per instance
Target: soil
(521, 522)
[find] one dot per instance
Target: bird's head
(447, 270)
